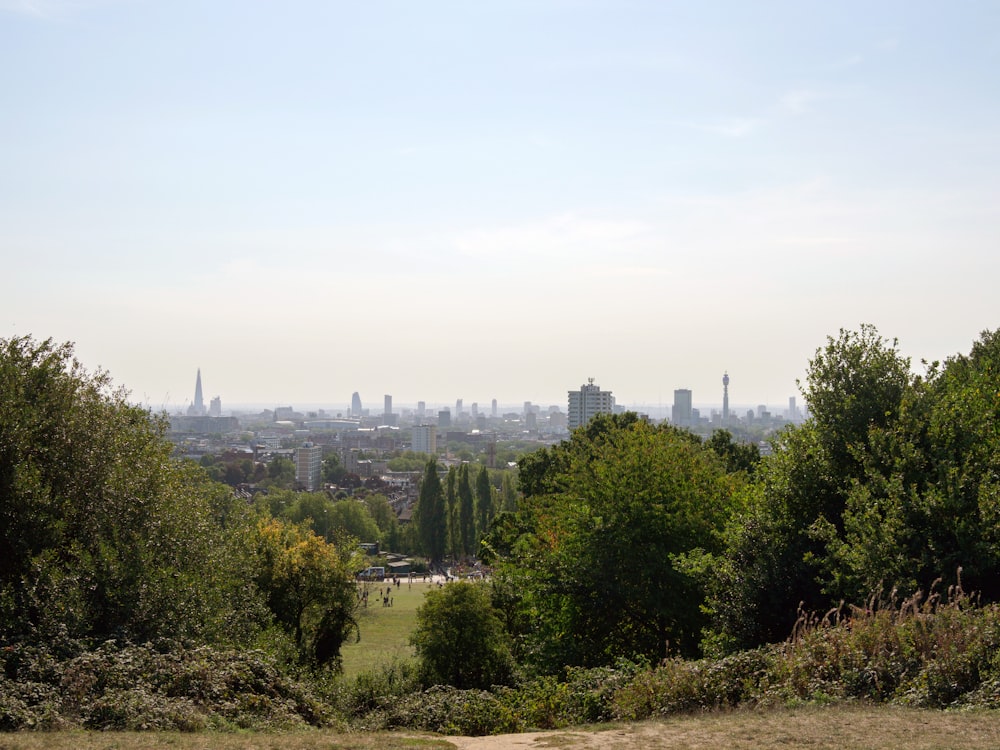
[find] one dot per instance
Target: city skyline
(496, 199)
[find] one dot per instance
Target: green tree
(452, 511)
(508, 493)
(350, 517)
(332, 470)
(429, 514)
(280, 474)
(460, 640)
(485, 503)
(466, 511)
(777, 546)
(102, 534)
(309, 588)
(596, 555)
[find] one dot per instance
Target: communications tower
(725, 397)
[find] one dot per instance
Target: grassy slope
(385, 631)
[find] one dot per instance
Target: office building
(680, 413)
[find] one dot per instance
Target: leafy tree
(460, 640)
(280, 474)
(596, 554)
(429, 514)
(309, 588)
(384, 517)
(453, 513)
(332, 470)
(350, 517)
(508, 494)
(775, 559)
(466, 511)
(102, 534)
(485, 506)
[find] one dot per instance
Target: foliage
(777, 543)
(309, 587)
(460, 640)
(102, 534)
(466, 511)
(429, 515)
(162, 685)
(595, 558)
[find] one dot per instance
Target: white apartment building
(425, 439)
(308, 461)
(587, 403)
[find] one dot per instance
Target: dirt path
(815, 728)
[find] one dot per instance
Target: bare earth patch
(812, 728)
(815, 728)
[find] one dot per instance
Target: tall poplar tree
(485, 509)
(430, 514)
(467, 510)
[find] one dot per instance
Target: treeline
(104, 536)
(641, 541)
(865, 545)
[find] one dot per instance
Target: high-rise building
(308, 461)
(725, 397)
(421, 409)
(444, 418)
(425, 439)
(587, 403)
(494, 411)
(356, 405)
(197, 409)
(458, 409)
(680, 414)
(388, 405)
(215, 407)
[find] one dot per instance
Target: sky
(477, 200)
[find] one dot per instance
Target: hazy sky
(494, 199)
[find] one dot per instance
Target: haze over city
(494, 199)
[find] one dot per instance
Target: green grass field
(385, 631)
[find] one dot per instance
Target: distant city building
(444, 419)
(474, 409)
(215, 407)
(725, 397)
(197, 409)
(421, 409)
(356, 405)
(494, 410)
(458, 409)
(587, 403)
(388, 417)
(680, 413)
(308, 461)
(425, 439)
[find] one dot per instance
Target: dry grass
(385, 631)
(815, 728)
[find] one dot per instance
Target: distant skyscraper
(421, 409)
(494, 412)
(215, 407)
(458, 409)
(356, 405)
(587, 403)
(444, 418)
(680, 414)
(725, 397)
(388, 405)
(197, 409)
